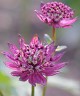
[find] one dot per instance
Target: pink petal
(59, 65)
(24, 76)
(49, 71)
(43, 18)
(15, 73)
(42, 79)
(49, 21)
(35, 40)
(51, 49)
(13, 48)
(57, 57)
(12, 65)
(21, 42)
(41, 4)
(32, 80)
(56, 25)
(67, 22)
(40, 16)
(37, 78)
(7, 54)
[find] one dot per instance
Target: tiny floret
(33, 62)
(56, 14)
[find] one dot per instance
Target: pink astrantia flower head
(34, 61)
(56, 14)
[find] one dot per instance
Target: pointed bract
(66, 22)
(41, 4)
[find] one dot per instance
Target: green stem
(44, 89)
(32, 93)
(54, 39)
(54, 34)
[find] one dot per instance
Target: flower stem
(54, 39)
(44, 89)
(32, 93)
(54, 34)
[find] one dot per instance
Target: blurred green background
(18, 16)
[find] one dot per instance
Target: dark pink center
(57, 11)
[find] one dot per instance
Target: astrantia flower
(56, 14)
(34, 61)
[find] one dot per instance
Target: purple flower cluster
(56, 14)
(34, 61)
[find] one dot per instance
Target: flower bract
(56, 14)
(33, 62)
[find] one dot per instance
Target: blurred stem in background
(54, 39)
(1, 93)
(32, 93)
(44, 89)
(54, 34)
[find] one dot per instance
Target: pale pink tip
(40, 16)
(67, 23)
(41, 4)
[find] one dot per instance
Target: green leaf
(4, 79)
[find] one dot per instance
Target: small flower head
(56, 14)
(34, 61)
